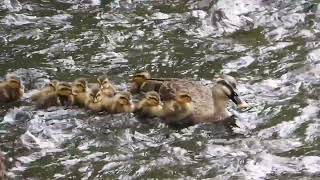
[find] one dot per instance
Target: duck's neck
(220, 105)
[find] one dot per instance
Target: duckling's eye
(124, 100)
(65, 89)
(186, 98)
(153, 99)
(15, 81)
(138, 78)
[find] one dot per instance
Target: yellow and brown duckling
(120, 103)
(94, 101)
(150, 106)
(81, 92)
(107, 89)
(3, 172)
(178, 109)
(11, 90)
(50, 88)
(62, 96)
(142, 82)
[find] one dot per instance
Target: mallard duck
(150, 106)
(11, 90)
(50, 88)
(107, 89)
(120, 103)
(63, 96)
(210, 104)
(81, 91)
(178, 109)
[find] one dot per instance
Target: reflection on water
(271, 47)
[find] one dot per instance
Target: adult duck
(209, 103)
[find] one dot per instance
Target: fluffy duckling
(107, 89)
(2, 167)
(11, 90)
(141, 82)
(63, 96)
(150, 106)
(94, 101)
(81, 92)
(120, 103)
(178, 109)
(50, 88)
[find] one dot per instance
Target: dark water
(271, 46)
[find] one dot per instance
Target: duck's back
(201, 97)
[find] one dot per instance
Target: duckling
(11, 90)
(81, 92)
(142, 82)
(150, 106)
(178, 109)
(107, 89)
(45, 91)
(94, 100)
(120, 103)
(63, 96)
(2, 167)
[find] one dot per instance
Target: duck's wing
(201, 96)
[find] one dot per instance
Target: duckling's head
(152, 98)
(124, 98)
(64, 89)
(183, 97)
(95, 95)
(80, 85)
(53, 84)
(225, 89)
(138, 80)
(14, 81)
(104, 81)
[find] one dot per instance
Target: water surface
(271, 47)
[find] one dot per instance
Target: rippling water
(271, 47)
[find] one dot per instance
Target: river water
(270, 46)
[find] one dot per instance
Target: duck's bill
(239, 102)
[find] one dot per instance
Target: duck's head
(183, 97)
(80, 85)
(64, 89)
(152, 98)
(14, 81)
(226, 88)
(138, 80)
(95, 95)
(104, 81)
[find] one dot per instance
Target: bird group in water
(172, 100)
